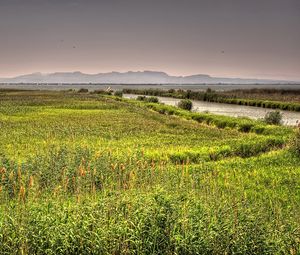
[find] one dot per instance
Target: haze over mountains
(144, 77)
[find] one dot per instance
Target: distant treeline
(212, 96)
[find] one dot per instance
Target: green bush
(141, 98)
(185, 104)
(148, 99)
(118, 93)
(152, 99)
(82, 90)
(273, 118)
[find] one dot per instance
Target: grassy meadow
(85, 173)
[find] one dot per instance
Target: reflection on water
(289, 118)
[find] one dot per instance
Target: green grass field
(90, 174)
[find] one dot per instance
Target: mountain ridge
(131, 77)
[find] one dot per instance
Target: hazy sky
(230, 38)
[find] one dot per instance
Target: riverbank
(218, 97)
(289, 118)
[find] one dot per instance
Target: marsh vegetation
(273, 99)
(90, 173)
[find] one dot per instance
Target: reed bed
(91, 174)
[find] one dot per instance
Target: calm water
(289, 118)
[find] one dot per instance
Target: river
(289, 117)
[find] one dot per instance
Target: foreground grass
(84, 174)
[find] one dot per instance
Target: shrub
(101, 92)
(185, 104)
(147, 99)
(98, 91)
(82, 90)
(118, 93)
(151, 99)
(209, 90)
(141, 98)
(273, 118)
(295, 143)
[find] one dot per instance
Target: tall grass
(87, 174)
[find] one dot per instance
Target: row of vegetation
(84, 173)
(242, 124)
(268, 94)
(213, 96)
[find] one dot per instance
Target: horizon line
(154, 71)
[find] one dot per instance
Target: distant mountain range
(145, 77)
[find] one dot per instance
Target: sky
(224, 38)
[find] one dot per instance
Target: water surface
(289, 117)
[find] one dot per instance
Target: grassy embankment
(84, 173)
